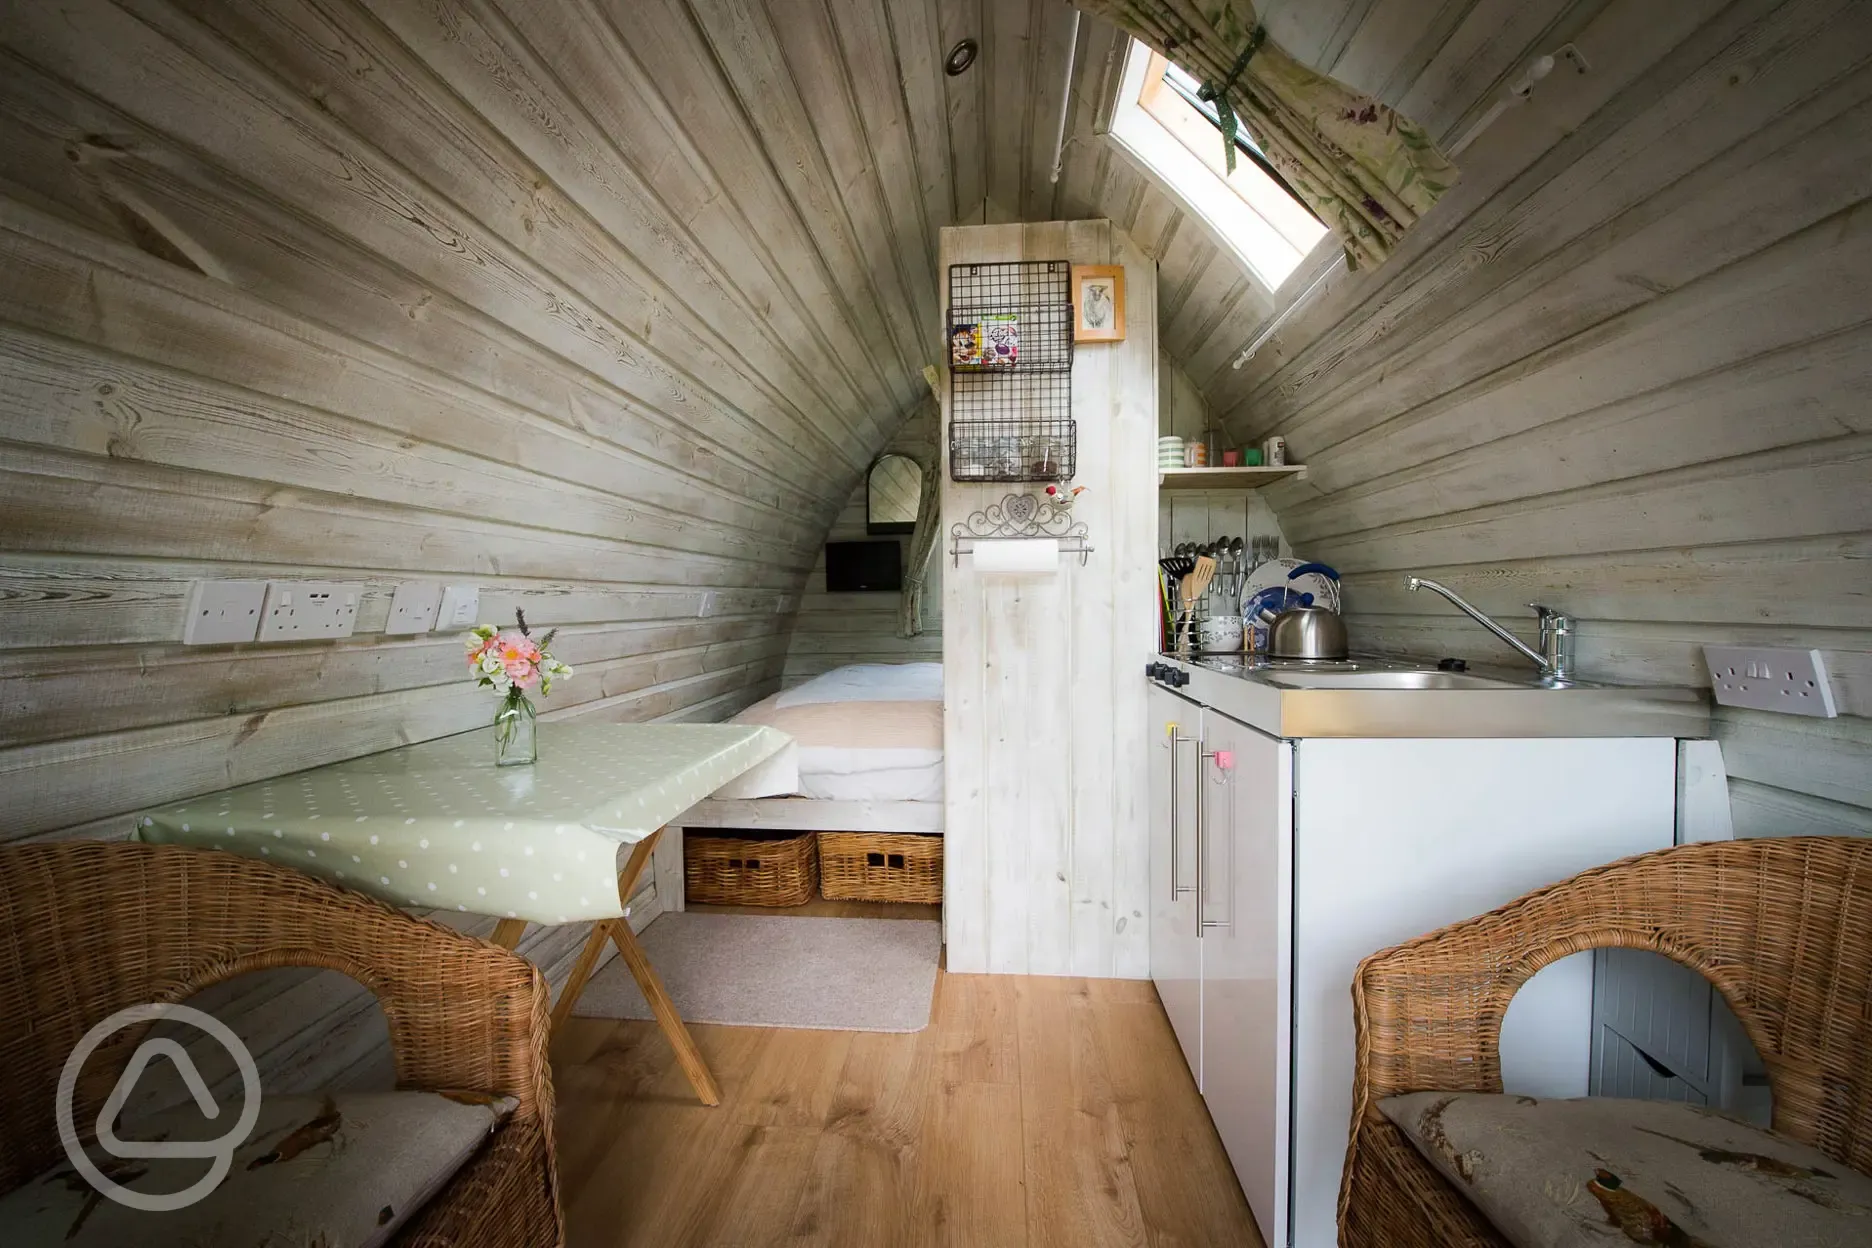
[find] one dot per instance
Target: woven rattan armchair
(92, 928)
(1783, 928)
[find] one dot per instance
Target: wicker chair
(91, 928)
(1783, 928)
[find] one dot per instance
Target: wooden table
(439, 825)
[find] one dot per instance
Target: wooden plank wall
(1046, 855)
(1200, 516)
(835, 629)
(394, 292)
(1623, 369)
(498, 294)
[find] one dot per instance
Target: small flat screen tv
(860, 567)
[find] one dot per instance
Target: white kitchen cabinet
(1244, 818)
(1176, 954)
(1311, 854)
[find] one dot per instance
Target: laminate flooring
(1032, 1111)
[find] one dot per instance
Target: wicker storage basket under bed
(881, 866)
(750, 870)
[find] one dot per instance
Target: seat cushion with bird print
(1599, 1172)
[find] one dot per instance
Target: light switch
(461, 607)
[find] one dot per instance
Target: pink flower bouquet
(513, 664)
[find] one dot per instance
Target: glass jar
(516, 732)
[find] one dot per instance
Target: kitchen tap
(1554, 658)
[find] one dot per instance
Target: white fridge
(1277, 865)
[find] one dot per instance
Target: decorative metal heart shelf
(1019, 517)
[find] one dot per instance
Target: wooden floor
(1030, 1112)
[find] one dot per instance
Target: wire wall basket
(1010, 361)
(1012, 449)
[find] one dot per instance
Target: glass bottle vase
(516, 732)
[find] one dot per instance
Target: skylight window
(1162, 123)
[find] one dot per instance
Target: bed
(867, 756)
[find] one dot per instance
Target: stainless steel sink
(1401, 679)
(1375, 697)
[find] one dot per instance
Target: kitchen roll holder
(1020, 517)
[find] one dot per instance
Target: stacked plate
(1170, 451)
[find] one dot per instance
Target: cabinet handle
(1202, 846)
(1202, 836)
(1176, 810)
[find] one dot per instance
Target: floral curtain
(1367, 172)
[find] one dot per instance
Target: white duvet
(860, 733)
(869, 682)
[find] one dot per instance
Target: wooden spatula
(1194, 586)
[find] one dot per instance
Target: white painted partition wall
(1047, 857)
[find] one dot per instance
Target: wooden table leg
(668, 1018)
(582, 969)
(687, 1055)
(507, 934)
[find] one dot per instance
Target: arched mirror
(893, 492)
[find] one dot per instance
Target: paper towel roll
(1025, 554)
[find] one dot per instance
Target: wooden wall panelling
(209, 94)
(748, 55)
(1648, 252)
(1045, 817)
(965, 97)
(1768, 810)
(973, 845)
(54, 783)
(831, 630)
(58, 394)
(1006, 70)
(78, 691)
(1761, 405)
(566, 122)
(1053, 42)
(1638, 52)
(1629, 385)
(675, 64)
(854, 106)
(59, 601)
(123, 300)
(1652, 66)
(914, 30)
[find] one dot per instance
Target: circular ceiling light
(960, 58)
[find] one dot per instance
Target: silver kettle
(1314, 634)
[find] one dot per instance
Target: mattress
(863, 746)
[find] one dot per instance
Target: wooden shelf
(1225, 478)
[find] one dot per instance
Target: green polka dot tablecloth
(439, 825)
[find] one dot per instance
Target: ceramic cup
(1220, 633)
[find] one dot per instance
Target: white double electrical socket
(1765, 679)
(309, 610)
(413, 608)
(223, 612)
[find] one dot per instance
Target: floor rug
(762, 971)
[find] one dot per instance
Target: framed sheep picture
(1098, 303)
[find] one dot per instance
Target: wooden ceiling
(750, 187)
